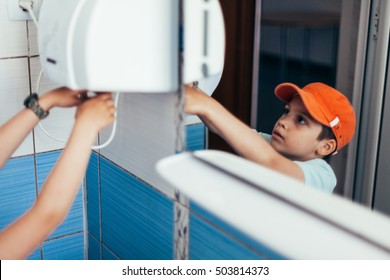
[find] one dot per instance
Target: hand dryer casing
(110, 45)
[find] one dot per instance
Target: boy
(20, 238)
(317, 122)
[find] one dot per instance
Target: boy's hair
(326, 105)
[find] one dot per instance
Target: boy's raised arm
(59, 190)
(243, 139)
(15, 130)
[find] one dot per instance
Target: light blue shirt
(317, 172)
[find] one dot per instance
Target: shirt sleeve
(266, 136)
(318, 174)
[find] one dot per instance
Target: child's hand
(62, 97)
(97, 112)
(196, 101)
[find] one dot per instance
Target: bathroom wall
(131, 216)
(22, 177)
(125, 211)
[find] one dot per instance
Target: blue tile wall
(93, 196)
(17, 189)
(93, 248)
(212, 238)
(36, 255)
(74, 221)
(135, 232)
(137, 221)
(19, 180)
(196, 137)
(108, 255)
(66, 248)
(209, 243)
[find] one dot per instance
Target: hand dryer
(129, 46)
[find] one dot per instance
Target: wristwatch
(31, 102)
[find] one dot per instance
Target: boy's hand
(97, 112)
(196, 101)
(62, 97)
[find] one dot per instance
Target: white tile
(13, 35)
(58, 125)
(60, 121)
(192, 119)
(45, 84)
(146, 132)
(14, 88)
(32, 38)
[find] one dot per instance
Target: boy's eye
(301, 120)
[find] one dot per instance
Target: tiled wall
(129, 218)
(25, 172)
(20, 180)
(130, 208)
(131, 212)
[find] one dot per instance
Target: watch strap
(31, 102)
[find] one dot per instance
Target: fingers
(82, 95)
(103, 93)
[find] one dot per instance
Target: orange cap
(326, 105)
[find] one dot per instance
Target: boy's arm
(14, 131)
(237, 134)
(59, 190)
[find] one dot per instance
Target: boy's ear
(326, 147)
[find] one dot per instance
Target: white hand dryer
(110, 44)
(129, 45)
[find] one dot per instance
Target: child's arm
(238, 135)
(14, 131)
(59, 190)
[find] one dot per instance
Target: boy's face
(295, 134)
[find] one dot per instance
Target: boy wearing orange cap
(317, 122)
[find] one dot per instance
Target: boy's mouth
(277, 135)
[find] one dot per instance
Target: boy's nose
(283, 123)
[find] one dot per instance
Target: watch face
(30, 100)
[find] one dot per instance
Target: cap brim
(286, 91)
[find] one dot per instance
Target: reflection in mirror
(298, 44)
(299, 41)
(209, 84)
(302, 41)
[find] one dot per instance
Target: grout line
(85, 216)
(136, 177)
(28, 38)
(233, 236)
(29, 74)
(63, 236)
(38, 153)
(13, 57)
(41, 250)
(111, 251)
(173, 198)
(100, 208)
(36, 181)
(18, 57)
